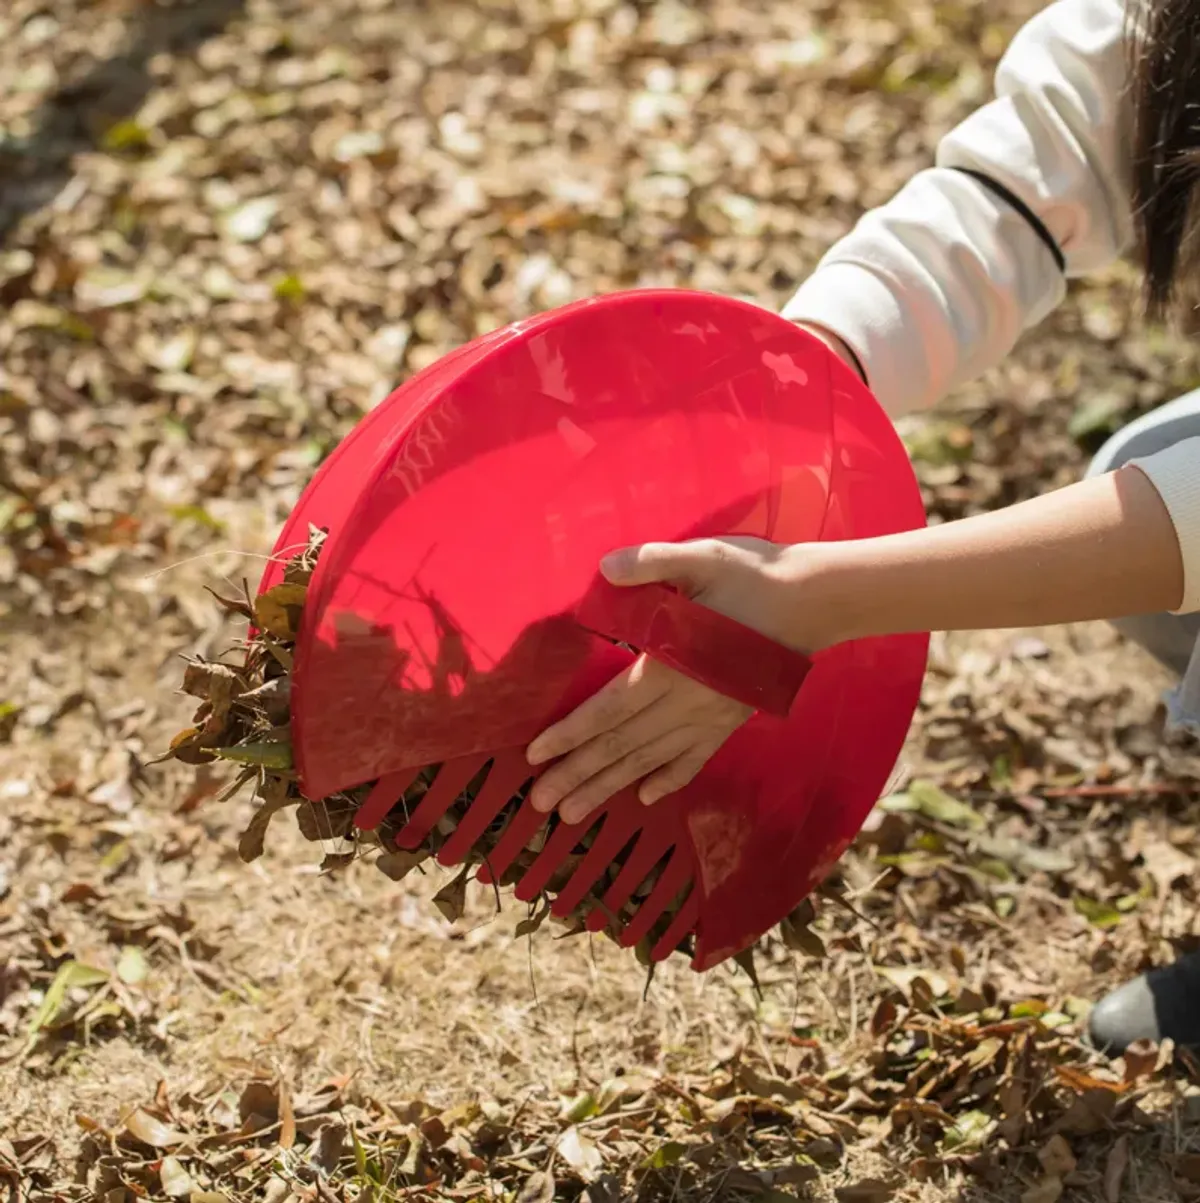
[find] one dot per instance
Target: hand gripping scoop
(456, 610)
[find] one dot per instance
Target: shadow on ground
(34, 170)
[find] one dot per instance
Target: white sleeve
(938, 284)
(1175, 474)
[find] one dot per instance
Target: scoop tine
(520, 830)
(681, 925)
(453, 777)
(557, 849)
(616, 830)
(648, 851)
(385, 793)
(675, 875)
(510, 770)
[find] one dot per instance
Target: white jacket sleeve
(936, 286)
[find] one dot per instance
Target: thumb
(688, 566)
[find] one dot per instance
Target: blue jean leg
(1169, 638)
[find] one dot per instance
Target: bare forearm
(1101, 549)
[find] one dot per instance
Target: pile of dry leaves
(942, 1083)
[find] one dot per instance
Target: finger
(687, 565)
(680, 772)
(597, 790)
(626, 695)
(602, 751)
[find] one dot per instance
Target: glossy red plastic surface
(449, 617)
(733, 659)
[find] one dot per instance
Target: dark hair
(1164, 36)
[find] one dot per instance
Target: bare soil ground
(229, 229)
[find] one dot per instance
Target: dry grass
(153, 417)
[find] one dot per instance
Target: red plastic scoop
(456, 610)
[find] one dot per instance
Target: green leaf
(115, 858)
(934, 803)
(665, 1156)
(132, 967)
(1130, 902)
(277, 756)
(971, 1130)
(1026, 857)
(898, 804)
(581, 1107)
(1099, 914)
(1031, 1008)
(125, 135)
(360, 1154)
(199, 515)
(290, 288)
(71, 975)
(915, 864)
(995, 868)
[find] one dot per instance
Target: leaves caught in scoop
(244, 719)
(278, 610)
(276, 757)
(451, 899)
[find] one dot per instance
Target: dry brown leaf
(329, 1143)
(278, 610)
(1056, 1157)
(537, 1188)
(259, 1101)
(1049, 1190)
(869, 1190)
(1115, 1168)
(451, 899)
(252, 843)
(186, 748)
(1140, 1060)
(1088, 1113)
(287, 1117)
(230, 605)
(151, 1131)
(1167, 864)
(399, 864)
(531, 923)
(884, 1016)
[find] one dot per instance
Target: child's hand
(652, 722)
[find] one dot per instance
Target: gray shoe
(1163, 1004)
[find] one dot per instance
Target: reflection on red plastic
(467, 516)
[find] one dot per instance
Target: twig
(1177, 788)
